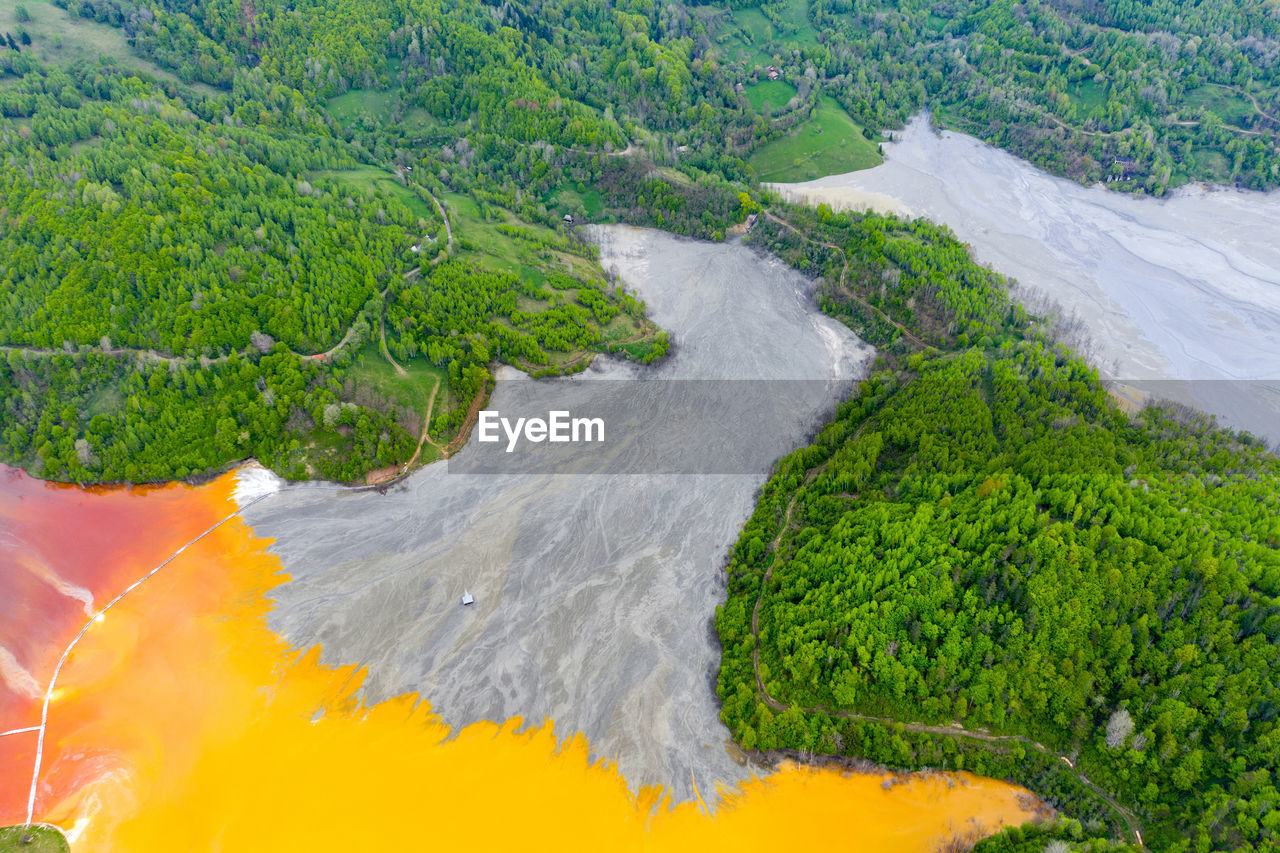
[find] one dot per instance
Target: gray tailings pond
(594, 594)
(1179, 297)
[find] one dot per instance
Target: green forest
(985, 540)
(1145, 95)
(983, 564)
(519, 98)
(307, 232)
(189, 276)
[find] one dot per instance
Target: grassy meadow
(32, 839)
(371, 179)
(829, 143)
(60, 38)
(773, 94)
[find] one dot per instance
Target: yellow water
(184, 723)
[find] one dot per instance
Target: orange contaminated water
(181, 722)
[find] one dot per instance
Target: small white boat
(467, 598)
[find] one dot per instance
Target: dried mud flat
(1179, 297)
(594, 594)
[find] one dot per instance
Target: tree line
(982, 538)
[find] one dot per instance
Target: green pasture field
(829, 143)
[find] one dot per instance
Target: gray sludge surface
(594, 594)
(1179, 297)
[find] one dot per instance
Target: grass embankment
(750, 36)
(418, 385)
(577, 200)
(829, 143)
(770, 96)
(371, 179)
(495, 238)
(60, 38)
(369, 108)
(32, 839)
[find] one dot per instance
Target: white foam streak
(16, 677)
(254, 482)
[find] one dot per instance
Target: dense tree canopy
(981, 539)
(1146, 95)
(978, 540)
(134, 218)
(171, 260)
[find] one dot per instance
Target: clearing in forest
(61, 38)
(829, 143)
(775, 94)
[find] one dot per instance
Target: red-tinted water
(182, 723)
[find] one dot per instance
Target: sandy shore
(843, 198)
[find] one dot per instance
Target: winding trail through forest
(844, 274)
(1197, 123)
(1257, 108)
(346, 338)
(953, 729)
(426, 423)
(425, 438)
(448, 246)
(1071, 129)
(964, 63)
(382, 347)
(448, 229)
(148, 355)
(157, 357)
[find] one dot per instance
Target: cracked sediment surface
(594, 594)
(1182, 293)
